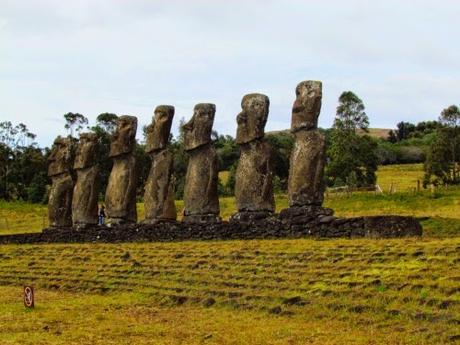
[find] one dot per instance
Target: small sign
(29, 297)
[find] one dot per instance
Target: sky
(402, 58)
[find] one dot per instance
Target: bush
(410, 154)
(36, 191)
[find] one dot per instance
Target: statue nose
(297, 106)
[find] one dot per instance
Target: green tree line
(352, 154)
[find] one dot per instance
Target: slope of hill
(373, 132)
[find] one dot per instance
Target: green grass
(303, 291)
(233, 292)
(403, 177)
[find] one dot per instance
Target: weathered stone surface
(124, 138)
(254, 174)
(201, 202)
(61, 157)
(306, 174)
(120, 197)
(391, 226)
(252, 119)
(86, 190)
(254, 178)
(158, 132)
(307, 106)
(383, 227)
(59, 169)
(200, 193)
(197, 132)
(250, 216)
(60, 201)
(159, 189)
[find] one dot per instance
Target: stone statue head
(251, 121)
(124, 138)
(197, 132)
(158, 132)
(85, 155)
(61, 156)
(307, 105)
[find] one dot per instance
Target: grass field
(234, 292)
(302, 291)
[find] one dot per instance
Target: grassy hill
(373, 132)
(293, 291)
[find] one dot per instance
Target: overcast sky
(402, 58)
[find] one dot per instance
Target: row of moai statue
(74, 191)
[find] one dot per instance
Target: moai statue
(86, 190)
(159, 189)
(201, 202)
(254, 175)
(120, 196)
(60, 171)
(306, 174)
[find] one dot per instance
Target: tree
(227, 151)
(404, 130)
(450, 117)
(106, 124)
(15, 136)
(350, 113)
(74, 122)
(353, 158)
(443, 155)
(392, 138)
(180, 161)
(19, 160)
(281, 144)
(107, 121)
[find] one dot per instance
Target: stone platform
(286, 225)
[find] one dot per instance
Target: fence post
(418, 186)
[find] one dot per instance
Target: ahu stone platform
(285, 226)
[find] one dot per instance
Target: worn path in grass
(234, 292)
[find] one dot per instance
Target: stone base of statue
(251, 216)
(306, 214)
(202, 219)
(118, 221)
(83, 226)
(155, 221)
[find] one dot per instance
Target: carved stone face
(158, 132)
(60, 159)
(307, 105)
(85, 156)
(124, 138)
(197, 132)
(251, 121)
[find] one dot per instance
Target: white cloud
(401, 58)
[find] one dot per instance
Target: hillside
(284, 292)
(373, 132)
